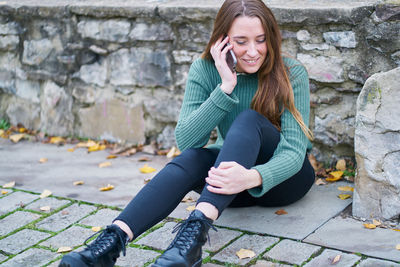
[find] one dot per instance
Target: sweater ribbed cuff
(266, 185)
(222, 100)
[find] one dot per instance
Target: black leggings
(251, 140)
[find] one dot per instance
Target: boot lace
(104, 241)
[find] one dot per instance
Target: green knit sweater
(205, 106)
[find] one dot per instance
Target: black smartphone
(231, 59)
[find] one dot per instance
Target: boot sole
(71, 262)
(197, 264)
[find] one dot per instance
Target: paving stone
(292, 252)
(71, 237)
(256, 243)
(65, 217)
(13, 201)
(327, 257)
(220, 238)
(16, 220)
(303, 218)
(52, 202)
(2, 257)
(210, 265)
(136, 257)
(102, 218)
(350, 235)
(21, 240)
(160, 238)
(375, 262)
(32, 257)
(55, 264)
(264, 263)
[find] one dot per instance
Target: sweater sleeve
(204, 106)
(289, 155)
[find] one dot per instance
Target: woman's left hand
(232, 178)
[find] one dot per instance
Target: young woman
(261, 113)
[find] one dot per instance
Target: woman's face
(249, 43)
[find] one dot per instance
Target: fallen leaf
(144, 159)
(21, 204)
(147, 169)
(9, 185)
(376, 222)
(96, 147)
(45, 193)
(245, 253)
(171, 152)
(281, 212)
(191, 208)
(111, 157)
(341, 165)
(369, 225)
(334, 176)
(320, 182)
(346, 188)
(314, 163)
(146, 180)
(187, 200)
(56, 140)
(43, 160)
(149, 149)
(22, 130)
(344, 196)
(107, 188)
(78, 183)
(96, 228)
(16, 137)
(64, 212)
(105, 164)
(45, 208)
(129, 152)
(398, 247)
(398, 230)
(336, 259)
(89, 143)
(71, 149)
(3, 192)
(2, 133)
(64, 249)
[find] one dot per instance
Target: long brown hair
(274, 92)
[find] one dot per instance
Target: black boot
(102, 252)
(185, 250)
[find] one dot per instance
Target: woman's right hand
(218, 53)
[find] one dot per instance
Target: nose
(252, 50)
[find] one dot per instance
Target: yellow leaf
(71, 149)
(94, 148)
(320, 182)
(17, 137)
(1, 132)
(78, 183)
(111, 157)
(107, 188)
(89, 143)
(22, 130)
(334, 176)
(376, 222)
(398, 230)
(64, 249)
(105, 164)
(43, 160)
(369, 225)
(398, 247)
(281, 212)
(45, 208)
(346, 188)
(3, 192)
(147, 169)
(57, 140)
(96, 228)
(344, 196)
(172, 153)
(245, 253)
(187, 200)
(9, 185)
(45, 193)
(191, 208)
(336, 259)
(341, 165)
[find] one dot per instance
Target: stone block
(113, 120)
(256, 243)
(23, 111)
(292, 252)
(160, 238)
(65, 217)
(14, 201)
(263, 263)
(377, 146)
(345, 39)
(380, 38)
(136, 257)
(370, 262)
(9, 61)
(327, 257)
(21, 240)
(184, 56)
(28, 90)
(72, 237)
(36, 51)
(303, 35)
(16, 220)
(220, 238)
(95, 73)
(10, 28)
(388, 11)
(146, 31)
(52, 202)
(322, 68)
(114, 30)
(9, 42)
(101, 218)
(167, 138)
(32, 257)
(2, 257)
(7, 82)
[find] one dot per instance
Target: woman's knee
(196, 159)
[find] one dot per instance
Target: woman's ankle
(124, 227)
(209, 210)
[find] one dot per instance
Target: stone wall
(117, 69)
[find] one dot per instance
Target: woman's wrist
(255, 178)
(226, 89)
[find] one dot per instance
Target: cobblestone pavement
(32, 229)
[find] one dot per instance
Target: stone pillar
(377, 148)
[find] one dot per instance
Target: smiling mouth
(250, 61)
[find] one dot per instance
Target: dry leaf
(191, 208)
(376, 222)
(64, 212)
(45, 208)
(96, 228)
(171, 152)
(147, 169)
(111, 157)
(64, 249)
(187, 200)
(149, 149)
(96, 147)
(398, 247)
(341, 165)
(369, 225)
(146, 180)
(346, 188)
(144, 159)
(320, 182)
(57, 140)
(336, 259)
(245, 253)
(22, 130)
(78, 183)
(45, 193)
(334, 176)
(398, 230)
(107, 188)
(281, 212)
(71, 149)
(43, 160)
(3, 192)
(314, 163)
(16, 137)
(344, 196)
(129, 152)
(9, 185)
(105, 164)
(89, 143)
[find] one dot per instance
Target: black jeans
(251, 140)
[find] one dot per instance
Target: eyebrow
(244, 37)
